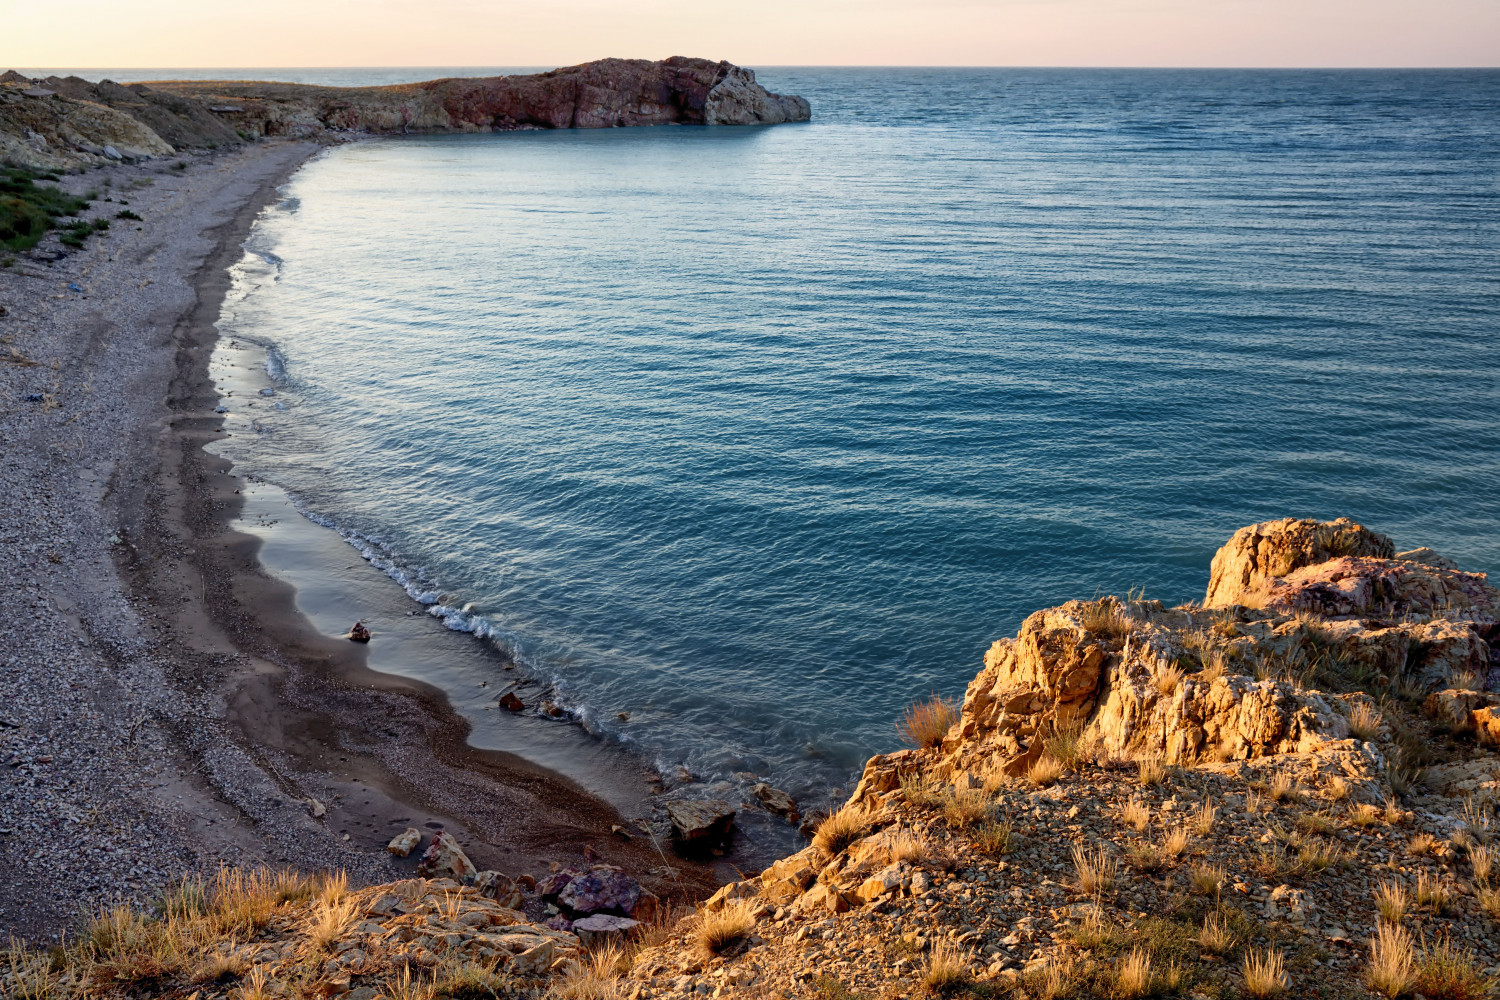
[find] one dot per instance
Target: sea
(740, 440)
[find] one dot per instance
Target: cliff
(60, 122)
(1289, 789)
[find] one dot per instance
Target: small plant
(1137, 814)
(947, 968)
(1433, 893)
(1206, 879)
(221, 967)
(1215, 666)
(1489, 901)
(1107, 618)
(1045, 771)
(995, 837)
(1145, 857)
(127, 214)
(257, 988)
(1265, 974)
(1095, 868)
(1315, 823)
(1174, 843)
(924, 724)
(1168, 679)
(842, 829)
(329, 922)
(1215, 937)
(964, 807)
(1134, 977)
(1393, 812)
(1364, 722)
(1093, 931)
(1391, 900)
(179, 165)
(922, 791)
(1319, 855)
(721, 928)
(1364, 814)
(468, 980)
(1203, 820)
(1421, 845)
(1392, 971)
(1066, 746)
(1448, 973)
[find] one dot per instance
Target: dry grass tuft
(924, 724)
(1365, 721)
(842, 829)
(1206, 879)
(1489, 901)
(1133, 980)
(1364, 814)
(1215, 937)
(947, 968)
(595, 978)
(1045, 771)
(1337, 789)
(221, 967)
(1433, 893)
(1145, 857)
(1482, 860)
(1318, 855)
(409, 987)
(1094, 931)
(1174, 843)
(258, 987)
(1137, 814)
(922, 791)
(1392, 972)
(723, 927)
(1096, 869)
(329, 922)
(1448, 973)
(1203, 820)
(1168, 680)
(1392, 900)
(1283, 788)
(1316, 823)
(1066, 746)
(1421, 845)
(1151, 771)
(1215, 666)
(1106, 617)
(966, 806)
(907, 846)
(1265, 974)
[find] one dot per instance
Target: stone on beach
(500, 888)
(776, 800)
(511, 703)
(444, 857)
(701, 825)
(402, 844)
(602, 928)
(602, 889)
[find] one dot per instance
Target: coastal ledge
(68, 122)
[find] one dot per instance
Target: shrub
(725, 926)
(1265, 974)
(1448, 973)
(1045, 771)
(842, 829)
(127, 214)
(1392, 969)
(924, 724)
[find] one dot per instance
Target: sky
(325, 33)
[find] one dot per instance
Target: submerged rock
(701, 826)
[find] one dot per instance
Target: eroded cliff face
(66, 122)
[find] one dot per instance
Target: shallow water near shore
(751, 436)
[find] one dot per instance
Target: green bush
(27, 210)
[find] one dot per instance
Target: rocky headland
(1287, 789)
(66, 122)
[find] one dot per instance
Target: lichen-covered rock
(601, 890)
(1361, 585)
(1261, 552)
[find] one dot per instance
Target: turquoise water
(758, 434)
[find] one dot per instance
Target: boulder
(1261, 552)
(550, 885)
(1455, 710)
(500, 888)
(444, 857)
(534, 961)
(1362, 585)
(602, 928)
(601, 890)
(402, 844)
(1487, 724)
(701, 825)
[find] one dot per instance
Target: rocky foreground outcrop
(1290, 789)
(65, 122)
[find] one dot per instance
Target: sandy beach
(166, 708)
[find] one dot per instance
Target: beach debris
(602, 928)
(620, 831)
(553, 709)
(444, 857)
(510, 702)
(221, 408)
(500, 888)
(317, 809)
(776, 800)
(602, 889)
(359, 633)
(702, 825)
(268, 391)
(402, 844)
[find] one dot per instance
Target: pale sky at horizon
(328, 33)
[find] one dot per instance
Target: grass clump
(1095, 869)
(947, 968)
(1393, 970)
(1433, 893)
(1045, 771)
(995, 837)
(127, 215)
(842, 828)
(1364, 722)
(1206, 879)
(1445, 972)
(1133, 980)
(1216, 937)
(1265, 974)
(1136, 814)
(1391, 902)
(924, 724)
(922, 791)
(726, 926)
(29, 210)
(963, 807)
(1151, 771)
